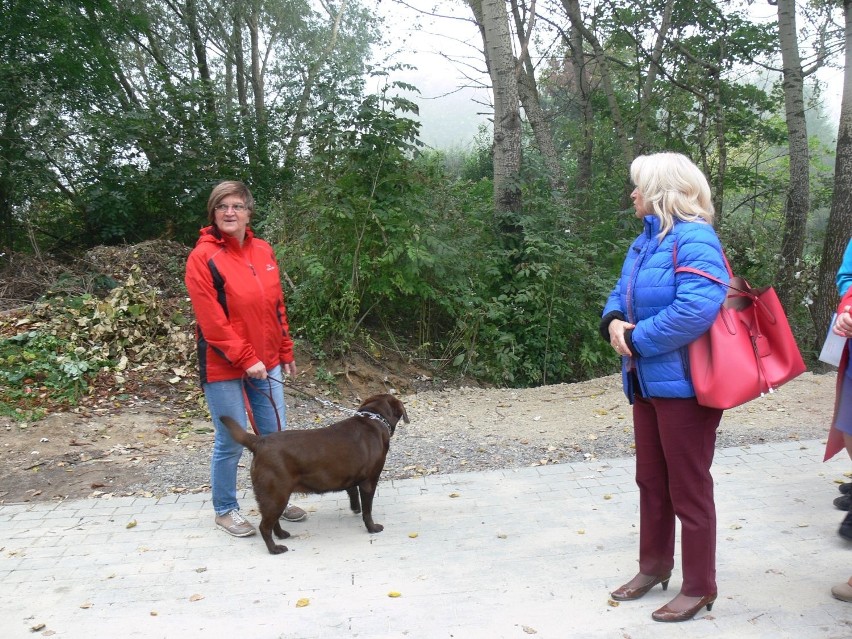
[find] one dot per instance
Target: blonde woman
(650, 318)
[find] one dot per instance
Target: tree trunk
(584, 95)
(258, 90)
(494, 26)
(309, 80)
(840, 218)
(798, 193)
(572, 8)
(646, 114)
(240, 80)
(530, 99)
(721, 148)
(199, 47)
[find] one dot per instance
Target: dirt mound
(25, 278)
(161, 262)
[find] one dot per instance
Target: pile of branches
(117, 332)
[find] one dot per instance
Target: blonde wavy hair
(674, 188)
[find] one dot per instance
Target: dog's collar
(377, 417)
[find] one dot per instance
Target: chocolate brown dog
(348, 455)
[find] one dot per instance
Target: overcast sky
(445, 48)
(440, 38)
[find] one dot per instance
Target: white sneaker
(293, 513)
(235, 524)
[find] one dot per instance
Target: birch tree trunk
(493, 23)
(839, 226)
(798, 193)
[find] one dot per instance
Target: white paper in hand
(833, 347)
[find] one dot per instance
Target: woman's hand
(257, 371)
(290, 369)
(843, 323)
(617, 328)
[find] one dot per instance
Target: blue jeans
(229, 398)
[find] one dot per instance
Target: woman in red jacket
(840, 435)
(243, 339)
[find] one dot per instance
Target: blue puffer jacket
(669, 311)
(844, 273)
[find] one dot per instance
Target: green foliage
(35, 365)
(115, 128)
(357, 234)
(118, 118)
(540, 324)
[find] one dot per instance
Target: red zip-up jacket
(836, 441)
(239, 306)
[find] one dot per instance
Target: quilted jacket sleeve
(697, 299)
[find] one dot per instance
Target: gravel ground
(475, 429)
(154, 448)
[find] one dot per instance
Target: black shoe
(846, 527)
(844, 502)
(846, 488)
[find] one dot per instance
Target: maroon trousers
(675, 442)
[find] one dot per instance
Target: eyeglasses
(238, 208)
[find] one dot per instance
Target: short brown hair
(223, 190)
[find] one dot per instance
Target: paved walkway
(515, 553)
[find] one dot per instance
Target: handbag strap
(697, 271)
(743, 292)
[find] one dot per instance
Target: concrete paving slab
(530, 552)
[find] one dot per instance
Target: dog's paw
(279, 531)
(277, 550)
(375, 528)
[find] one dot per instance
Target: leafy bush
(37, 365)
(534, 317)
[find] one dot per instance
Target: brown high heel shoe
(625, 593)
(666, 614)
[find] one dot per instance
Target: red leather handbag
(749, 350)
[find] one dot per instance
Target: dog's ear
(401, 408)
(389, 406)
(395, 408)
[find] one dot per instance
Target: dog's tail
(240, 434)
